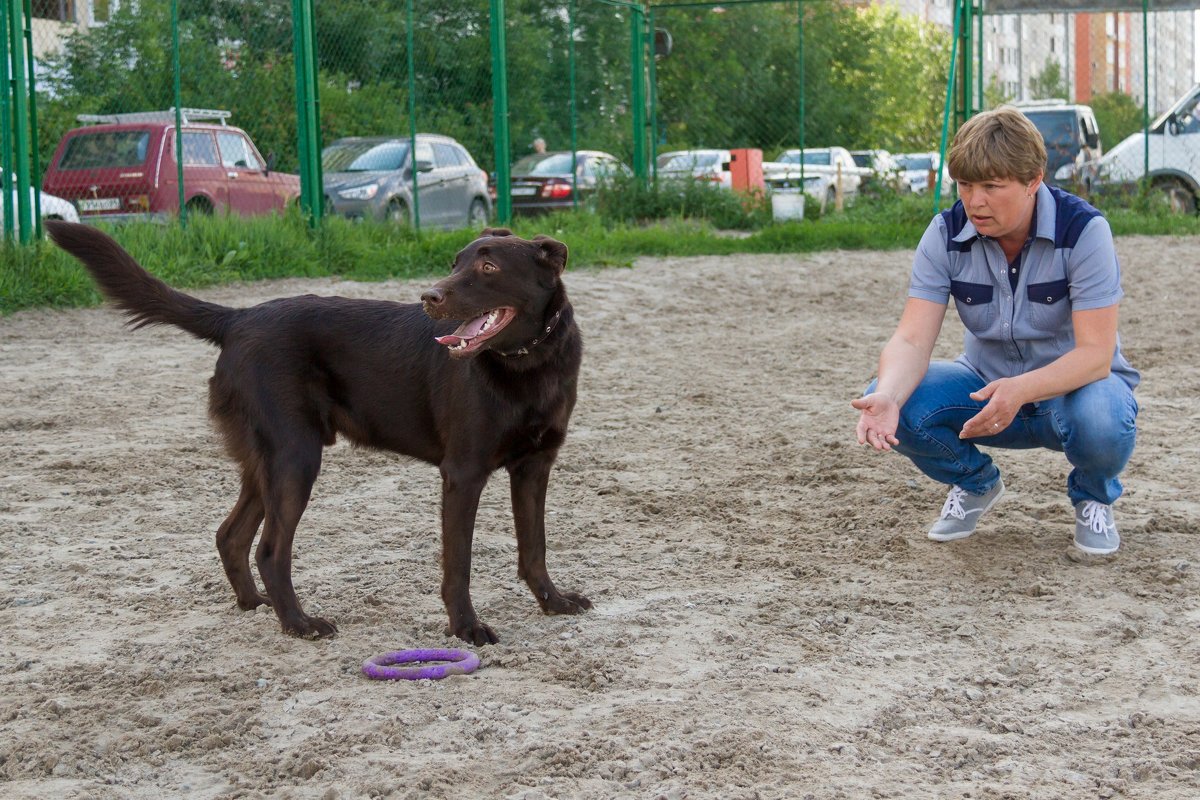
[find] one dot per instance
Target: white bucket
(787, 205)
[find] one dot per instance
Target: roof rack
(188, 115)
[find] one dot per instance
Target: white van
(1174, 149)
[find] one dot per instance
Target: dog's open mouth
(471, 335)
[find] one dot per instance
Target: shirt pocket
(974, 304)
(1049, 306)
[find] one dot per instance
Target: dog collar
(550, 326)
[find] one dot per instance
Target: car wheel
(200, 205)
(397, 213)
(478, 215)
(1173, 196)
(830, 200)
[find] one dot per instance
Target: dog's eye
(488, 266)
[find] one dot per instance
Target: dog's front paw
(253, 601)
(565, 603)
(475, 633)
(307, 627)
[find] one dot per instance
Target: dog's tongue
(468, 330)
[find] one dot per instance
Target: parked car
(371, 177)
(123, 166)
(544, 181)
(917, 169)
(833, 168)
(702, 165)
(879, 170)
(51, 207)
(1070, 131)
(1173, 146)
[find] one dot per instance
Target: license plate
(524, 191)
(100, 204)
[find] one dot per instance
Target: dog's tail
(146, 299)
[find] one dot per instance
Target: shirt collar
(1044, 214)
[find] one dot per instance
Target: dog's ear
(496, 232)
(551, 252)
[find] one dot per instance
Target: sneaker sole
(1095, 551)
(954, 537)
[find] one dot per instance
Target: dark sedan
(544, 181)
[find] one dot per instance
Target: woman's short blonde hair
(997, 144)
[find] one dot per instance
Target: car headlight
(360, 192)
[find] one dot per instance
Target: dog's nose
(433, 296)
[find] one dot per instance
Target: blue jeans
(1095, 426)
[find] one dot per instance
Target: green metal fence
(230, 106)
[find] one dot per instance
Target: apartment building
(1095, 51)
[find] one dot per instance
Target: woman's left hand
(1004, 400)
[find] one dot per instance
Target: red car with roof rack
(123, 166)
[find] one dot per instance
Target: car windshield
(364, 156)
(104, 149)
(916, 162)
(1056, 127)
(686, 161)
(545, 164)
(861, 159)
(818, 158)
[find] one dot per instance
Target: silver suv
(371, 177)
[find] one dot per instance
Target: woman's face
(1001, 208)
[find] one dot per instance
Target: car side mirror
(424, 165)
(270, 163)
(725, 166)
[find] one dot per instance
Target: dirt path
(769, 619)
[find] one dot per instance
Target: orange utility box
(745, 169)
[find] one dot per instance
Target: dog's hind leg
(461, 486)
(234, 538)
(528, 481)
(288, 477)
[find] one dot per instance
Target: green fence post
(637, 66)
(35, 164)
(6, 155)
(308, 136)
(412, 119)
(800, 79)
(175, 69)
(500, 113)
(20, 120)
(574, 107)
(653, 94)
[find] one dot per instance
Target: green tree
(994, 95)
(1117, 114)
(1050, 83)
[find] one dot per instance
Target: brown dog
(495, 391)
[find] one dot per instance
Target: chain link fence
(423, 112)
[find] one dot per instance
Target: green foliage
(629, 200)
(1118, 115)
(1050, 82)
(994, 95)
(872, 78)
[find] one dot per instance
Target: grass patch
(647, 222)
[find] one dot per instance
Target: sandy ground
(769, 619)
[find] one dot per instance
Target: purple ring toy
(380, 667)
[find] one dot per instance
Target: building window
(61, 10)
(102, 10)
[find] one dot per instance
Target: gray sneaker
(962, 511)
(1095, 528)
